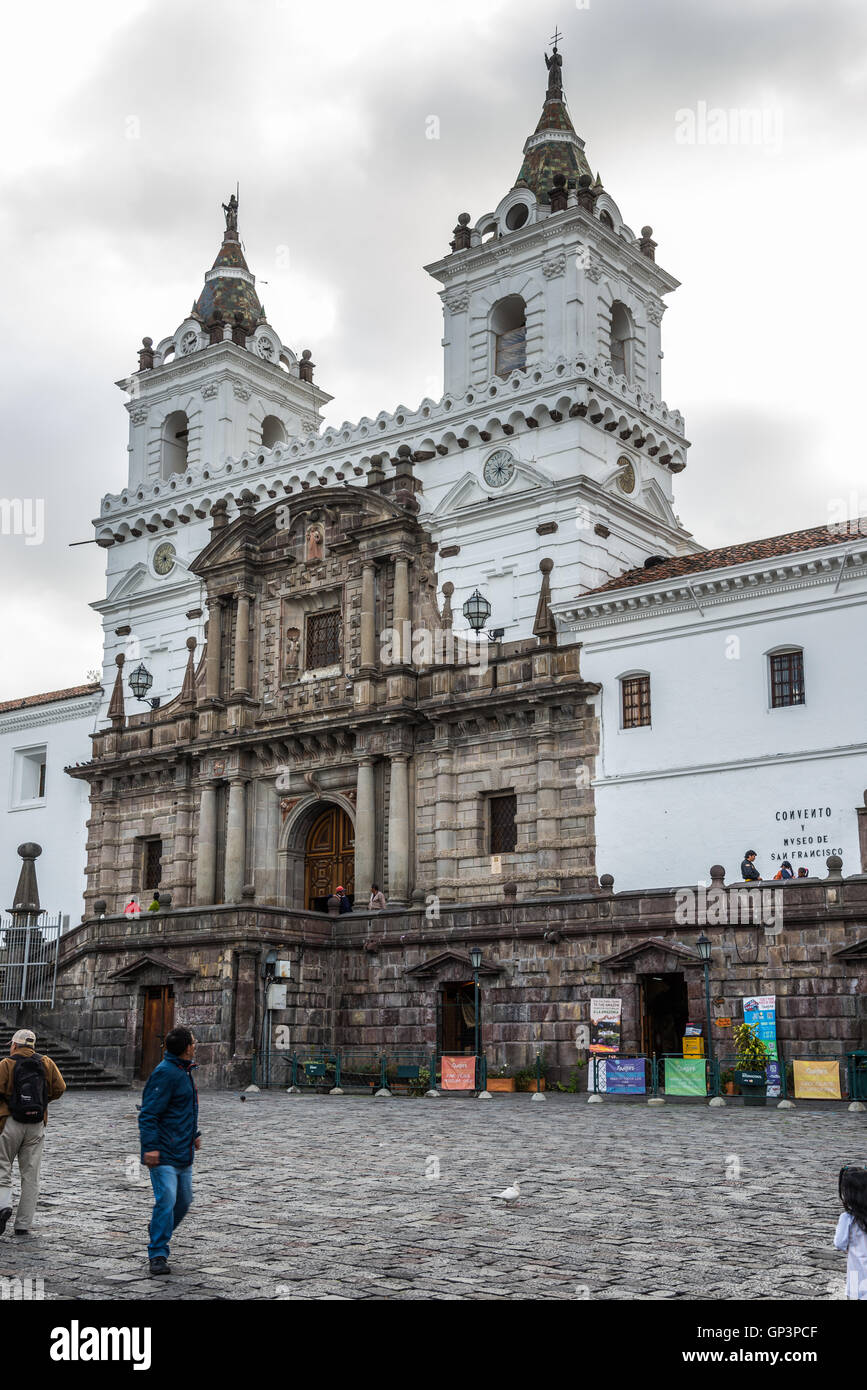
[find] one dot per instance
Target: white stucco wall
(56, 821)
(718, 770)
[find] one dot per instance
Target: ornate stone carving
(655, 312)
(593, 271)
(138, 416)
(242, 392)
(554, 265)
(210, 390)
(458, 299)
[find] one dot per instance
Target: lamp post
(140, 682)
(476, 960)
(703, 945)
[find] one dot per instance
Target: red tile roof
(791, 543)
(70, 694)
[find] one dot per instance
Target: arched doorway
(329, 858)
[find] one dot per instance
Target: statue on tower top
(554, 64)
(231, 211)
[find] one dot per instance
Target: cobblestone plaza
(317, 1197)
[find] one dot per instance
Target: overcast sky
(126, 125)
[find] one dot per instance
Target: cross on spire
(555, 38)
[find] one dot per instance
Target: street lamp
(140, 682)
(475, 961)
(703, 945)
(477, 610)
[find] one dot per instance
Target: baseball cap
(25, 1037)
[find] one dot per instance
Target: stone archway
(317, 851)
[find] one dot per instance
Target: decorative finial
(555, 38)
(231, 211)
(554, 64)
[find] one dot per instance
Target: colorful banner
(458, 1073)
(816, 1080)
(605, 1025)
(621, 1076)
(760, 1010)
(685, 1076)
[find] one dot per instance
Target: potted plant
(751, 1059)
(727, 1081)
(500, 1079)
(526, 1080)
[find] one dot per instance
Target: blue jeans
(173, 1194)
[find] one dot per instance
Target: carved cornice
(689, 593)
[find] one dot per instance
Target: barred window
(504, 832)
(323, 639)
(153, 865)
(636, 701)
(787, 678)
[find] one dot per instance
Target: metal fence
(634, 1074)
(409, 1070)
(28, 961)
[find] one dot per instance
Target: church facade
(353, 644)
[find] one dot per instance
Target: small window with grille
(636, 701)
(322, 639)
(504, 831)
(787, 678)
(152, 864)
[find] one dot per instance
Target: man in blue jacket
(169, 1129)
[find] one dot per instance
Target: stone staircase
(78, 1074)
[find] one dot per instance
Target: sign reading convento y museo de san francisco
(804, 833)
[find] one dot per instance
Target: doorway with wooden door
(664, 1013)
(457, 1018)
(329, 858)
(158, 1016)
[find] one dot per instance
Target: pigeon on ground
(509, 1196)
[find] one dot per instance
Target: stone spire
(116, 709)
(188, 689)
(544, 627)
(26, 899)
(554, 147)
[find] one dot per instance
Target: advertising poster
(622, 1076)
(816, 1080)
(458, 1073)
(605, 1025)
(760, 1010)
(685, 1076)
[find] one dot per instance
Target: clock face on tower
(164, 558)
(499, 468)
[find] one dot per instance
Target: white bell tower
(222, 386)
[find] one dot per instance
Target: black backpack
(28, 1101)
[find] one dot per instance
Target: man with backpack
(28, 1084)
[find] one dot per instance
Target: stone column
(266, 839)
(241, 682)
(365, 831)
(212, 656)
(398, 831)
(236, 837)
(206, 858)
(548, 854)
(400, 607)
(445, 812)
(368, 617)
